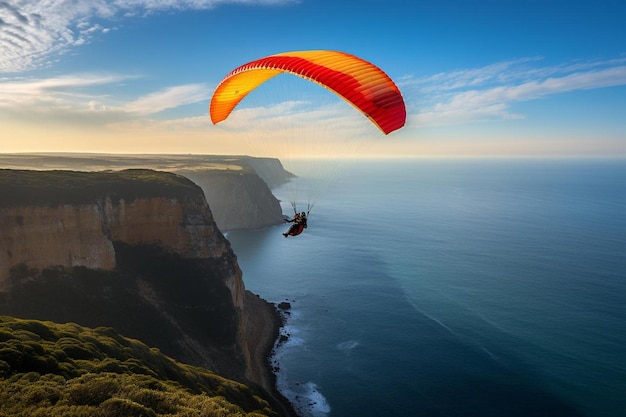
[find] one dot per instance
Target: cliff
(237, 188)
(270, 170)
(71, 219)
(139, 251)
(240, 199)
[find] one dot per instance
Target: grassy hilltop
(66, 370)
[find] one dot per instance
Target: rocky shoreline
(268, 321)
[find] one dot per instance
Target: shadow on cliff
(180, 306)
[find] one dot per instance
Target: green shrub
(117, 407)
(62, 411)
(5, 369)
(36, 327)
(4, 336)
(77, 349)
(43, 395)
(12, 357)
(93, 389)
(78, 372)
(110, 365)
(160, 402)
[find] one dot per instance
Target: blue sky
(480, 78)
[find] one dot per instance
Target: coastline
(277, 337)
(304, 398)
(266, 323)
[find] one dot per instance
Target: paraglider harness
(300, 223)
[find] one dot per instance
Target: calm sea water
(453, 288)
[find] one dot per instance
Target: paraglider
(360, 83)
(299, 224)
(357, 81)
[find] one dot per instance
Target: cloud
(75, 99)
(169, 98)
(487, 93)
(34, 32)
(59, 90)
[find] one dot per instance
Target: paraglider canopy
(352, 79)
(357, 81)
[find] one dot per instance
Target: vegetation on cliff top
(67, 370)
(27, 187)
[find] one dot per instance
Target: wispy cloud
(169, 98)
(75, 94)
(18, 92)
(34, 32)
(487, 93)
(77, 99)
(66, 100)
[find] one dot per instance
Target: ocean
(457, 287)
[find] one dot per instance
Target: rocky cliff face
(41, 233)
(270, 170)
(43, 236)
(138, 251)
(239, 199)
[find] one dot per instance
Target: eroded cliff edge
(139, 251)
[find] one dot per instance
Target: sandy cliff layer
(43, 236)
(136, 250)
(42, 233)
